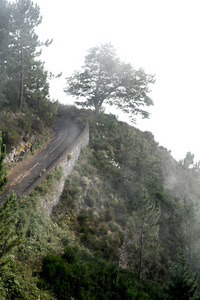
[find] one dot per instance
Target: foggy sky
(160, 36)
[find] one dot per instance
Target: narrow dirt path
(27, 172)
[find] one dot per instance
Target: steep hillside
(128, 213)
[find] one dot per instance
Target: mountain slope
(128, 212)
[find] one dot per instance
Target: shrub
(38, 125)
(109, 214)
(55, 273)
(84, 181)
(71, 254)
(70, 194)
(69, 156)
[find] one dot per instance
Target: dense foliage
(128, 220)
(183, 283)
(128, 215)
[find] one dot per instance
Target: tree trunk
(21, 84)
(141, 253)
(97, 110)
(97, 107)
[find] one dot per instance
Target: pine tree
(190, 229)
(3, 173)
(27, 79)
(25, 17)
(8, 221)
(4, 33)
(143, 234)
(183, 282)
(23, 78)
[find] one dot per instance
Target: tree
(22, 74)
(3, 173)
(8, 221)
(25, 16)
(143, 233)
(188, 161)
(190, 229)
(106, 79)
(142, 171)
(183, 282)
(4, 25)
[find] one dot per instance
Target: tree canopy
(106, 79)
(23, 79)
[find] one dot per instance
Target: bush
(69, 156)
(71, 254)
(55, 274)
(109, 214)
(70, 194)
(38, 125)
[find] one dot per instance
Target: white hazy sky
(161, 36)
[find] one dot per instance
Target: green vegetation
(183, 283)
(23, 80)
(128, 220)
(119, 231)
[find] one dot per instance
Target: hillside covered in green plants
(126, 226)
(127, 223)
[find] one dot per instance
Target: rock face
(18, 152)
(23, 148)
(67, 161)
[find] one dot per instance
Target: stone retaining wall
(67, 160)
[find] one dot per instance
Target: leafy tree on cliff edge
(106, 79)
(3, 173)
